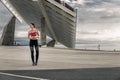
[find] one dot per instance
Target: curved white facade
(60, 18)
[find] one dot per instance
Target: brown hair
(33, 24)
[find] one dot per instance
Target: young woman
(33, 35)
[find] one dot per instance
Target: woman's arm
(28, 35)
(38, 34)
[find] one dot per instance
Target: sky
(97, 20)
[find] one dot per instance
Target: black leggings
(34, 43)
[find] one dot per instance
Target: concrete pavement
(59, 64)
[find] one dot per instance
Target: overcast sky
(97, 20)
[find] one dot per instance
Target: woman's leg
(32, 54)
(32, 51)
(37, 54)
(37, 51)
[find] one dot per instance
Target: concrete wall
(8, 33)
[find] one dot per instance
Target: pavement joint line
(27, 77)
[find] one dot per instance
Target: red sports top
(33, 33)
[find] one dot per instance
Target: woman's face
(31, 26)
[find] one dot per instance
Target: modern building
(53, 18)
(8, 33)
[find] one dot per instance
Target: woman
(33, 35)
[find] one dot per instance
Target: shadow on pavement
(71, 74)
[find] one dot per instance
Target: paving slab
(59, 64)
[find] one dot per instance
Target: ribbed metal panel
(63, 24)
(62, 18)
(27, 9)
